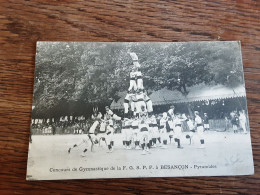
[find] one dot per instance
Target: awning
(200, 92)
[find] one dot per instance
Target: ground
(225, 154)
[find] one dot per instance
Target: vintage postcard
(123, 110)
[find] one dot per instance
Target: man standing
(234, 121)
(133, 85)
(144, 137)
(163, 130)
(200, 129)
(206, 122)
(135, 133)
(110, 133)
(178, 129)
(191, 127)
(153, 131)
(139, 80)
(242, 120)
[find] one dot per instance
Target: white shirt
(198, 120)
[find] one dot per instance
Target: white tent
(199, 92)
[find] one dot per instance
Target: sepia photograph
(138, 109)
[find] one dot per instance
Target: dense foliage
(76, 76)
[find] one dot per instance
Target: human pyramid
(139, 123)
(141, 130)
(136, 102)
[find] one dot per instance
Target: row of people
(142, 132)
(236, 121)
(60, 120)
(153, 132)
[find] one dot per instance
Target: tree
(94, 73)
